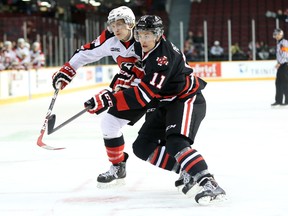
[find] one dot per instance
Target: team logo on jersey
(162, 60)
(115, 49)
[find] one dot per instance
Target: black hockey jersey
(167, 77)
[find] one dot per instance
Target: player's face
(147, 40)
(278, 37)
(121, 30)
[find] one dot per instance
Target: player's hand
(100, 102)
(133, 68)
(63, 76)
(122, 80)
(129, 75)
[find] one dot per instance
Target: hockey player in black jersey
(170, 80)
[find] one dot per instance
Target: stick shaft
(43, 129)
(69, 120)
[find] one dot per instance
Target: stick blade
(41, 144)
(51, 123)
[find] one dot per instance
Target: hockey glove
(130, 75)
(100, 102)
(63, 76)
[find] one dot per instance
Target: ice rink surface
(242, 139)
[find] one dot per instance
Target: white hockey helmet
(7, 44)
(21, 41)
(124, 13)
(36, 45)
(278, 31)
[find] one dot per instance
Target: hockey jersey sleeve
(149, 88)
(91, 52)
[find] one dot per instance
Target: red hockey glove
(63, 76)
(100, 102)
(129, 75)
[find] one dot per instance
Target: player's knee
(111, 126)
(175, 143)
(143, 147)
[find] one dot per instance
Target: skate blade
(205, 200)
(208, 200)
(179, 188)
(193, 191)
(280, 107)
(114, 184)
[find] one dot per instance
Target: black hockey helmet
(149, 23)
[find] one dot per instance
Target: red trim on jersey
(127, 44)
(140, 101)
(102, 37)
(121, 102)
(148, 90)
(193, 163)
(195, 88)
(87, 46)
(188, 116)
(187, 85)
(140, 73)
(121, 59)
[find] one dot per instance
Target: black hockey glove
(63, 76)
(129, 75)
(100, 102)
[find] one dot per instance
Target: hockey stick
(43, 129)
(52, 119)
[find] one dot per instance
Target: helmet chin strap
(131, 35)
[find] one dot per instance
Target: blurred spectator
(189, 51)
(237, 52)
(216, 51)
(279, 14)
(250, 50)
(37, 56)
(22, 53)
(263, 52)
(198, 38)
(198, 41)
(190, 37)
(8, 56)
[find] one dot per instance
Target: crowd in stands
(76, 11)
(194, 50)
(20, 55)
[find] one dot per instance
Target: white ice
(242, 139)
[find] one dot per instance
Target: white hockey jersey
(105, 45)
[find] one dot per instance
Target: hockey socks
(162, 159)
(114, 149)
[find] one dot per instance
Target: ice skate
(114, 177)
(276, 105)
(190, 187)
(210, 191)
(179, 183)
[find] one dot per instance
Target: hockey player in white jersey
(116, 41)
